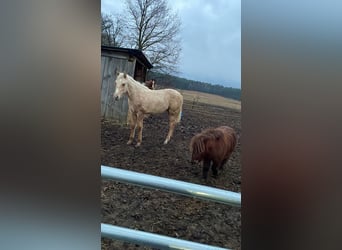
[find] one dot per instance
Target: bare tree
(112, 30)
(153, 28)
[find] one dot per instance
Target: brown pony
(150, 84)
(213, 145)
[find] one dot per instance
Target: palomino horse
(142, 101)
(151, 84)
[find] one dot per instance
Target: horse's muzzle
(116, 98)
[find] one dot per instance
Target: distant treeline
(182, 83)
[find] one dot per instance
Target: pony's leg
(223, 162)
(214, 168)
(133, 124)
(206, 166)
(172, 123)
(140, 123)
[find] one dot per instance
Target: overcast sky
(211, 39)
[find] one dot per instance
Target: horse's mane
(133, 81)
(212, 133)
(197, 143)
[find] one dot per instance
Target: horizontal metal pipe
(174, 186)
(150, 239)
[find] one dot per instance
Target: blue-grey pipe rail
(152, 240)
(174, 186)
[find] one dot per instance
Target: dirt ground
(162, 212)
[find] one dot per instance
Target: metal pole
(150, 239)
(174, 186)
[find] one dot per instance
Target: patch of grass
(210, 99)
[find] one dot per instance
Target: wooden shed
(131, 61)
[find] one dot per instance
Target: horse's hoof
(129, 142)
(138, 144)
(165, 142)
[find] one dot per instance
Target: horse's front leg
(140, 123)
(132, 124)
(206, 166)
(214, 168)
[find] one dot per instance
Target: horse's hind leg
(170, 133)
(217, 164)
(172, 125)
(223, 162)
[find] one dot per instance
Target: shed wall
(110, 63)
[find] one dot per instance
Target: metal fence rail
(174, 186)
(150, 239)
(169, 185)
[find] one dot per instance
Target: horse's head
(120, 85)
(150, 84)
(153, 84)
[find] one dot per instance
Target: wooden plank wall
(111, 109)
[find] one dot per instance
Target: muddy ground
(161, 212)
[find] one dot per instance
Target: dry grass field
(205, 98)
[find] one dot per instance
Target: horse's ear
(125, 75)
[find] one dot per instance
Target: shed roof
(134, 52)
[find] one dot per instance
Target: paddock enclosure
(165, 213)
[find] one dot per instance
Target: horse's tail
(180, 114)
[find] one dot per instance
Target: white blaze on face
(116, 93)
(120, 87)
